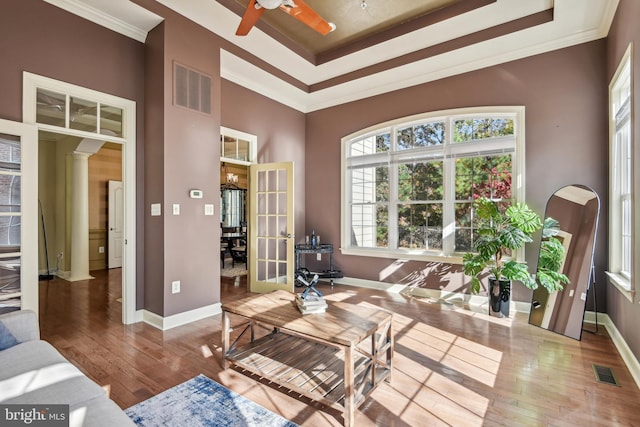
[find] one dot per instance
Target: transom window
(409, 185)
(66, 111)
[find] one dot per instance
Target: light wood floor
(452, 366)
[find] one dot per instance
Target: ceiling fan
(296, 8)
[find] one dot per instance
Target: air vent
(605, 375)
(191, 89)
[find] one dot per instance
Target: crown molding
(98, 16)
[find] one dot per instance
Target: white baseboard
(164, 323)
(477, 301)
(618, 340)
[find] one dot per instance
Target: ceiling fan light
(363, 5)
(270, 4)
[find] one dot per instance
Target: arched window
(409, 185)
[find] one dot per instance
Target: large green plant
(500, 233)
(551, 257)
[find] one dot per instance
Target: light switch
(208, 209)
(155, 209)
(176, 208)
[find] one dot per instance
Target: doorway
(70, 110)
(238, 150)
(54, 202)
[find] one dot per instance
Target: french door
(271, 227)
(18, 217)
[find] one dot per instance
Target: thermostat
(195, 194)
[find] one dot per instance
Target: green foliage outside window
(419, 202)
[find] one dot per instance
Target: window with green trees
(409, 185)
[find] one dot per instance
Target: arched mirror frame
(576, 208)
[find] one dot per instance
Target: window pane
(420, 226)
(370, 184)
(243, 150)
(485, 176)
(228, 147)
(371, 145)
(83, 115)
(110, 120)
(10, 232)
(465, 230)
(369, 226)
(9, 193)
(420, 181)
(51, 108)
(625, 241)
(422, 135)
(9, 153)
(483, 128)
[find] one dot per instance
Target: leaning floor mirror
(571, 221)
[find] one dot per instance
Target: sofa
(33, 372)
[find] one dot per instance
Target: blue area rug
(203, 402)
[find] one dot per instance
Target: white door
(116, 224)
(18, 216)
(271, 227)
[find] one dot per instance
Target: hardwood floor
(452, 366)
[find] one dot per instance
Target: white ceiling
(574, 22)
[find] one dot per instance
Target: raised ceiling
(391, 44)
(354, 23)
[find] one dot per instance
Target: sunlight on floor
(470, 359)
(107, 389)
(206, 351)
(420, 396)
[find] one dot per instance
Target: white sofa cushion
(34, 372)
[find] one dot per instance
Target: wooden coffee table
(337, 358)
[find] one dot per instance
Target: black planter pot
(499, 297)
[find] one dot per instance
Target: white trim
(164, 323)
(574, 22)
(31, 82)
(630, 360)
(253, 146)
(622, 284)
(141, 20)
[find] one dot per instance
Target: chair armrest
(22, 324)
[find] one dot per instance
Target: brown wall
(45, 40)
(280, 131)
(565, 99)
(624, 30)
(182, 154)
(154, 170)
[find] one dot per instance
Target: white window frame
(239, 135)
(621, 167)
(517, 113)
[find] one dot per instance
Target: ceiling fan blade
(249, 19)
(303, 13)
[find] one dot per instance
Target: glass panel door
(271, 227)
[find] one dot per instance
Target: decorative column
(80, 218)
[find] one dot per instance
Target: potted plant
(499, 235)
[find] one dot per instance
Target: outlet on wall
(101, 249)
(175, 286)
